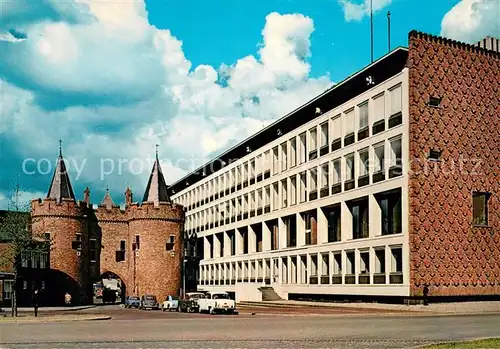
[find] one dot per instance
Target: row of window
(389, 204)
(34, 260)
(317, 141)
(321, 268)
(318, 182)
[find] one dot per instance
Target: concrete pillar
(217, 246)
(252, 240)
(374, 216)
(266, 237)
(357, 263)
(309, 268)
(239, 242)
(206, 247)
(345, 222)
(344, 265)
(388, 263)
(373, 264)
(301, 230)
(322, 224)
(282, 233)
(227, 244)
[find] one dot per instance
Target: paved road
(133, 329)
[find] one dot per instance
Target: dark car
(149, 301)
(132, 302)
(190, 303)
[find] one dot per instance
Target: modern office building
(385, 186)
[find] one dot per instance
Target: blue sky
(114, 78)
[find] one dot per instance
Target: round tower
(63, 220)
(156, 237)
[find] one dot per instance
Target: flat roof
(380, 70)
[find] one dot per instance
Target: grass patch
(493, 343)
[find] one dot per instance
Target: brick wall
(446, 251)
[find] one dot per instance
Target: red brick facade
(151, 269)
(447, 252)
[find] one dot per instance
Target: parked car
(149, 301)
(190, 303)
(132, 302)
(217, 302)
(171, 303)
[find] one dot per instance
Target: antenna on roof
(371, 27)
(389, 30)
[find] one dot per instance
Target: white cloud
(355, 11)
(123, 95)
(472, 20)
(8, 201)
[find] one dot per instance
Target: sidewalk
(46, 309)
(433, 308)
(42, 318)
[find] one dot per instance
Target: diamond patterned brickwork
(446, 251)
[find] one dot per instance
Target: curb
(54, 319)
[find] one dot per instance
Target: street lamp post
(184, 278)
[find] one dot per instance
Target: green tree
(15, 227)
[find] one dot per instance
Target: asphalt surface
(283, 328)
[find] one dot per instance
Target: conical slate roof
(157, 189)
(60, 187)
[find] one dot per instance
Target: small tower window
(170, 243)
(435, 101)
(435, 155)
(137, 242)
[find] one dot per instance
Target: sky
(113, 78)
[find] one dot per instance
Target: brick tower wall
(112, 228)
(157, 271)
(446, 251)
(63, 221)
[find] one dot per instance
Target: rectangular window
(259, 166)
(337, 264)
(313, 139)
(324, 176)
(252, 169)
(275, 196)
(44, 259)
(396, 161)
(284, 152)
(313, 176)
(379, 151)
(480, 208)
(359, 211)
(333, 217)
(336, 171)
(397, 260)
(267, 202)
(137, 244)
(260, 197)
(351, 265)
(122, 245)
(284, 194)
(349, 122)
(378, 108)
(324, 134)
(363, 116)
(349, 161)
(267, 164)
(293, 152)
(336, 133)
(390, 205)
(396, 100)
(293, 190)
(24, 260)
(276, 164)
(303, 187)
(303, 148)
(363, 162)
(7, 289)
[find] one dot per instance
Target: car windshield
(133, 298)
(220, 296)
(195, 296)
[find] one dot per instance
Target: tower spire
(60, 187)
(157, 189)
